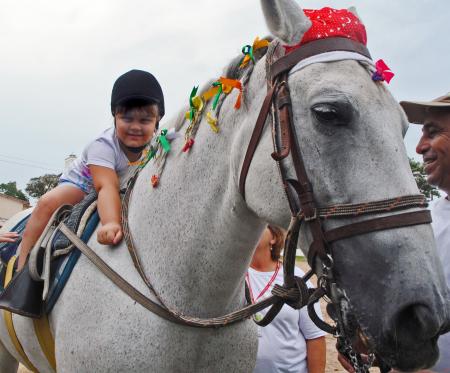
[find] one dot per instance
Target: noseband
(300, 193)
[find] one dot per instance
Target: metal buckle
(310, 218)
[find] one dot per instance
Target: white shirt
(440, 212)
(104, 151)
(282, 343)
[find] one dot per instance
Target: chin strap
(133, 149)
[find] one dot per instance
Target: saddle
(34, 290)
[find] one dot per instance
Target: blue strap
(68, 263)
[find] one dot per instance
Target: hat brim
(417, 111)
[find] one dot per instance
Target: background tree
(10, 189)
(421, 180)
(37, 186)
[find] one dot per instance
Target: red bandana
(328, 23)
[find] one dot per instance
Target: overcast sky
(59, 59)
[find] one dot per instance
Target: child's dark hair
(147, 107)
(279, 235)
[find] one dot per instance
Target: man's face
(434, 146)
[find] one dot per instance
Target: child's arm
(106, 183)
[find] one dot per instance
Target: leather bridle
(299, 191)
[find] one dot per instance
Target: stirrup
(42, 251)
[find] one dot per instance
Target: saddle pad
(22, 289)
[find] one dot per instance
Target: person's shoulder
(108, 135)
(106, 139)
(104, 150)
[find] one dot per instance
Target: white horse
(196, 234)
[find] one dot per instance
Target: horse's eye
(331, 115)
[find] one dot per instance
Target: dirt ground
(332, 363)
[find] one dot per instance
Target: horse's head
(350, 132)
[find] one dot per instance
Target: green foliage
(421, 179)
(10, 189)
(38, 186)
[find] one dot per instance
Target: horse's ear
(285, 20)
(352, 9)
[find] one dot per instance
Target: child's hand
(110, 234)
(8, 237)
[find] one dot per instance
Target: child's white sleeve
(101, 153)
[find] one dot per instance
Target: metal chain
(355, 358)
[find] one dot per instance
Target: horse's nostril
(416, 321)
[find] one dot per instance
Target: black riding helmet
(137, 85)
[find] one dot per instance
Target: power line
(30, 165)
(27, 160)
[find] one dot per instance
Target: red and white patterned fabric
(328, 23)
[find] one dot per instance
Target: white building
(10, 206)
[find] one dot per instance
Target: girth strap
(45, 339)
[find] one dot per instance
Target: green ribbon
(219, 92)
(162, 139)
(248, 50)
(191, 103)
(150, 155)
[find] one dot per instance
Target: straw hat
(416, 111)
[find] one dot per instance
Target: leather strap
(10, 325)
(113, 276)
(254, 140)
(313, 48)
(373, 225)
(150, 305)
(283, 103)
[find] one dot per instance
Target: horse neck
(194, 232)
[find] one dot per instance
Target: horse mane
(231, 71)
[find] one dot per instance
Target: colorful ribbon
(212, 122)
(188, 144)
(154, 181)
(219, 86)
(248, 51)
(162, 139)
(382, 73)
(233, 83)
(192, 105)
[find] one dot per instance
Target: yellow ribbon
(212, 122)
(197, 102)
